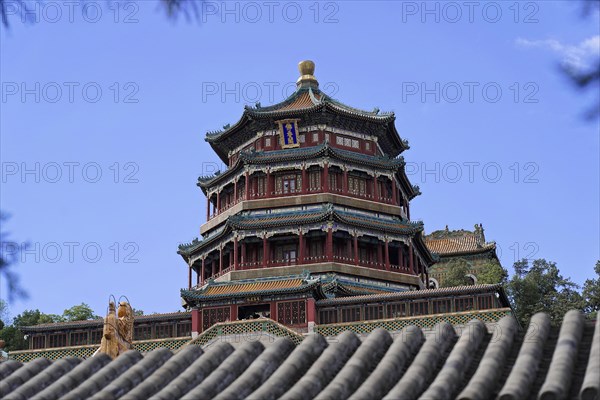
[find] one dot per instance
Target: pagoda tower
(314, 204)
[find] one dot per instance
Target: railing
(221, 273)
(371, 264)
(345, 259)
(242, 328)
(423, 321)
(349, 260)
(258, 195)
(399, 268)
(89, 350)
(233, 203)
(387, 200)
(360, 195)
(283, 263)
(288, 192)
(294, 192)
(251, 264)
(314, 259)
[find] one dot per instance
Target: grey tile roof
(466, 363)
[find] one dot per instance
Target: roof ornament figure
(117, 335)
(307, 78)
(479, 233)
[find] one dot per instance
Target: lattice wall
(425, 321)
(87, 351)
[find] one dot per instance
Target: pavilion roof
(420, 294)
(306, 101)
(458, 242)
(214, 290)
(335, 285)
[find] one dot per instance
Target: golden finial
(307, 70)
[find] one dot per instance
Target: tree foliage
(591, 293)
(456, 273)
(14, 337)
(137, 312)
(35, 317)
(9, 252)
(3, 313)
(541, 288)
(79, 312)
(491, 273)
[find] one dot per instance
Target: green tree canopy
(35, 317)
(591, 293)
(12, 335)
(3, 313)
(137, 312)
(80, 312)
(456, 273)
(491, 273)
(541, 288)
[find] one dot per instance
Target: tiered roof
(253, 157)
(326, 213)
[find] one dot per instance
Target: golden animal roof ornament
(117, 335)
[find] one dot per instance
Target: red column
(394, 190)
(207, 208)
(190, 277)
(244, 252)
(198, 279)
(265, 251)
(300, 247)
(311, 310)
(345, 182)
(411, 258)
(355, 249)
(325, 183)
(400, 255)
(269, 188)
(387, 256)
(304, 181)
(220, 259)
(234, 313)
(247, 186)
(379, 255)
(235, 253)
(329, 244)
(218, 202)
(375, 188)
(274, 311)
(234, 191)
(202, 273)
(196, 321)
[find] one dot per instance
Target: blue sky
(496, 131)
